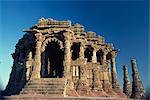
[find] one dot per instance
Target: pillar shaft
(37, 57)
(115, 83)
(67, 58)
(77, 70)
(126, 85)
(94, 59)
(137, 86)
(28, 65)
(81, 51)
(104, 57)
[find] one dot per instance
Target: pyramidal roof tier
(49, 26)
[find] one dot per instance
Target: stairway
(44, 88)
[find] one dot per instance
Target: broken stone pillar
(137, 86)
(115, 84)
(37, 57)
(126, 85)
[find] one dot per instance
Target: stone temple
(58, 58)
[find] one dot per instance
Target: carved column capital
(105, 52)
(113, 53)
(67, 35)
(38, 36)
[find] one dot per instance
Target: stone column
(126, 85)
(67, 54)
(37, 57)
(104, 57)
(115, 83)
(67, 60)
(94, 58)
(28, 65)
(73, 71)
(137, 86)
(43, 64)
(77, 71)
(81, 51)
(106, 78)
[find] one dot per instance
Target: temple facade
(59, 51)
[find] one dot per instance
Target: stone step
(41, 95)
(49, 79)
(33, 97)
(44, 86)
(41, 92)
(54, 82)
(46, 80)
(52, 97)
(45, 83)
(41, 89)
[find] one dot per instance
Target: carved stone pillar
(94, 58)
(81, 51)
(67, 55)
(137, 86)
(67, 61)
(106, 65)
(104, 56)
(106, 79)
(126, 85)
(115, 83)
(43, 64)
(37, 57)
(73, 71)
(109, 69)
(28, 65)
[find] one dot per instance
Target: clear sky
(123, 23)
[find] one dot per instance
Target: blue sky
(123, 23)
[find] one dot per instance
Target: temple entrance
(52, 61)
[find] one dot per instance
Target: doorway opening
(53, 61)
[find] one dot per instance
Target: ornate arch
(48, 40)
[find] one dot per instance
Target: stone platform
(50, 89)
(44, 97)
(46, 86)
(41, 88)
